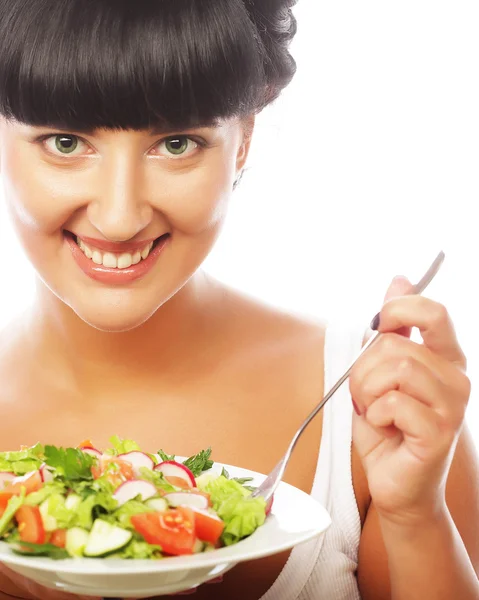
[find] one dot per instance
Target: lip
(115, 247)
(110, 276)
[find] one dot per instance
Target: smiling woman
(124, 128)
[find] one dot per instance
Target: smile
(115, 263)
(112, 260)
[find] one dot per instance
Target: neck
(63, 339)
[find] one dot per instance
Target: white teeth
(124, 261)
(111, 260)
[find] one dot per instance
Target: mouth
(103, 262)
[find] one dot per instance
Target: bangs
(128, 64)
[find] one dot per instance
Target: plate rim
(108, 566)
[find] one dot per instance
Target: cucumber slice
(105, 538)
(158, 504)
(49, 522)
(77, 539)
(198, 547)
(73, 501)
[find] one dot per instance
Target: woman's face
(116, 222)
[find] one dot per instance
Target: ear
(247, 126)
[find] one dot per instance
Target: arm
(437, 559)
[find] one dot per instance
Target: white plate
(295, 518)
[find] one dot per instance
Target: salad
(121, 502)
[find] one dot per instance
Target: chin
(113, 319)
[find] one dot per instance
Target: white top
(325, 567)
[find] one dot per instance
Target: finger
(399, 286)
(432, 320)
(391, 346)
(406, 375)
(420, 425)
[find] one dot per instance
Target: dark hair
(139, 64)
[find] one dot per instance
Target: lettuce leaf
(132, 507)
(55, 507)
(22, 461)
(233, 503)
(13, 505)
(157, 479)
(94, 505)
(36, 498)
(121, 446)
(139, 549)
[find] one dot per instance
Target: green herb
(165, 456)
(28, 549)
(70, 463)
(240, 480)
(199, 462)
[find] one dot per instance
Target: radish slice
(269, 505)
(187, 499)
(131, 489)
(138, 459)
(91, 451)
(46, 474)
(6, 478)
(171, 468)
(22, 478)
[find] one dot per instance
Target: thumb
(400, 286)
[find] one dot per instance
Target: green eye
(177, 145)
(66, 144)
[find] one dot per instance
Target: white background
(365, 168)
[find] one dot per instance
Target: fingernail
(358, 412)
(375, 322)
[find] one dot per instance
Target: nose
(119, 211)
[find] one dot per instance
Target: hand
(412, 400)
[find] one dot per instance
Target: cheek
(37, 199)
(196, 202)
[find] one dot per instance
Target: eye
(178, 146)
(63, 144)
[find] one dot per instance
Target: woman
(125, 127)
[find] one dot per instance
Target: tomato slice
(86, 444)
(118, 471)
(59, 538)
(30, 524)
(173, 530)
(31, 482)
(4, 498)
(208, 527)
(178, 482)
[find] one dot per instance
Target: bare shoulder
(254, 322)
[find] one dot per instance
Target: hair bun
(276, 26)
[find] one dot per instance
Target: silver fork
(268, 487)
